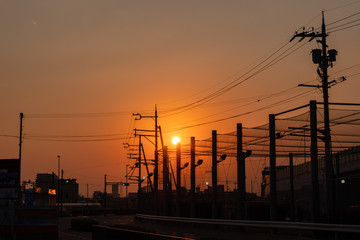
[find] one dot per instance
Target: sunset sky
(79, 69)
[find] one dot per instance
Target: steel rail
(344, 228)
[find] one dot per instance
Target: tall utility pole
(320, 56)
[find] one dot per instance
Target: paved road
(65, 233)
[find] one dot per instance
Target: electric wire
(342, 6)
(268, 65)
(344, 24)
(342, 19)
(246, 113)
(229, 86)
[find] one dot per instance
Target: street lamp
(199, 162)
(184, 166)
(222, 158)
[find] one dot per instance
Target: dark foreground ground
(65, 233)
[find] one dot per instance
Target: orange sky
(123, 57)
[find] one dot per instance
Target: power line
(246, 113)
(342, 19)
(344, 24)
(237, 82)
(342, 6)
(337, 30)
(79, 140)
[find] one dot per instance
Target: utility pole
(321, 57)
(105, 195)
(156, 157)
(273, 193)
(156, 153)
(292, 197)
(314, 163)
(192, 177)
(241, 183)
(139, 166)
(178, 178)
(166, 181)
(20, 151)
(61, 192)
(214, 174)
(58, 186)
(126, 187)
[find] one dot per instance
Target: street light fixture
(199, 162)
(185, 165)
(222, 158)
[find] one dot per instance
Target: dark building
(347, 184)
(48, 188)
(44, 192)
(69, 190)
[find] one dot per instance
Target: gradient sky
(62, 60)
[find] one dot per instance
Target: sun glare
(175, 140)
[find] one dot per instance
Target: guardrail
(335, 228)
(110, 233)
